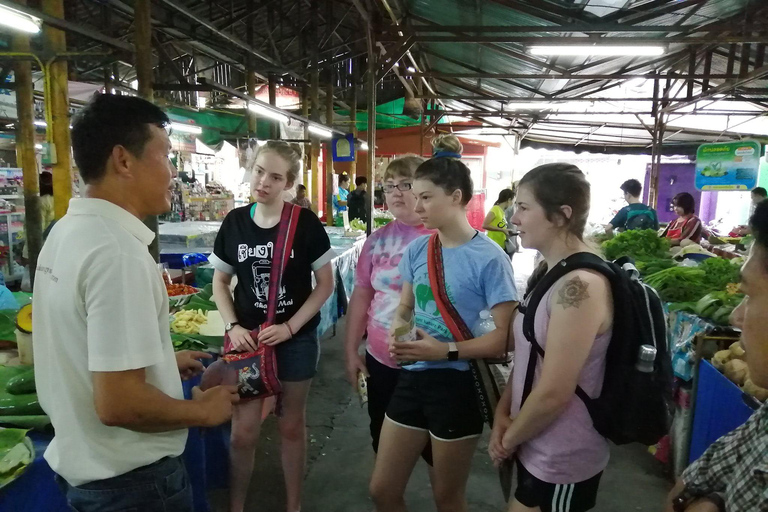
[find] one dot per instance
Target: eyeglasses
(402, 187)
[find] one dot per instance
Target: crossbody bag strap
(481, 372)
(280, 256)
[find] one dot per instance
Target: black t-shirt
(356, 202)
(244, 249)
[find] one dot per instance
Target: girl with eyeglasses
(377, 293)
(436, 402)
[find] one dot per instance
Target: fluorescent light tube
(267, 112)
(320, 132)
(19, 21)
(364, 146)
(41, 124)
(186, 128)
(618, 51)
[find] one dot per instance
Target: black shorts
(576, 497)
(440, 401)
(382, 381)
(297, 358)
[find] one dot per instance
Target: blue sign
(344, 148)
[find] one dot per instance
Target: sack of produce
(736, 371)
(755, 390)
(720, 358)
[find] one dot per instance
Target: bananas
(188, 321)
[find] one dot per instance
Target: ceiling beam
(566, 76)
(723, 88)
(583, 28)
(601, 41)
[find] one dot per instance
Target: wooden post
(274, 126)
(329, 154)
(307, 146)
(372, 68)
(143, 58)
(353, 118)
(25, 153)
(55, 43)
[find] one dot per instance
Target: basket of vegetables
(179, 294)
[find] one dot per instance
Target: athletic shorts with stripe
(576, 497)
(440, 401)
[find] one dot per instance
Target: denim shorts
(297, 358)
(159, 487)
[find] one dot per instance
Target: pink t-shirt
(377, 269)
(569, 450)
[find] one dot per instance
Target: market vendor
(340, 198)
(105, 368)
(731, 475)
(758, 195)
(687, 226)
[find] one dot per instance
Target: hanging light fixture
(16, 20)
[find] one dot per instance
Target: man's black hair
(759, 224)
(632, 187)
(108, 121)
(361, 180)
(760, 191)
(300, 187)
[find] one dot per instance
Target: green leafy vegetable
(637, 244)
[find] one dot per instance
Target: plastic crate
(721, 406)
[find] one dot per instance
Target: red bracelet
(289, 328)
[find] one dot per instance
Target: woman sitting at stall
(244, 248)
(687, 226)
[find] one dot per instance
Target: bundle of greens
(679, 284)
(16, 453)
(641, 245)
(650, 267)
(718, 306)
(720, 272)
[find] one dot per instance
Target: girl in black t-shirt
(243, 248)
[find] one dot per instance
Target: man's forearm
(144, 408)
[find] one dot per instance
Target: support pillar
(371, 122)
(353, 118)
(317, 197)
(329, 155)
(143, 58)
(55, 43)
(274, 126)
(25, 153)
(307, 146)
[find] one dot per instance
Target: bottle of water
(485, 325)
(645, 358)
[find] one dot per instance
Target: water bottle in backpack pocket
(635, 402)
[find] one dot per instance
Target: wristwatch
(453, 351)
(686, 498)
(228, 327)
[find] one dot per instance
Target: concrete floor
(340, 458)
(340, 461)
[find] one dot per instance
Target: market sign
(344, 148)
(728, 165)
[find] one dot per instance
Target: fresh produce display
(188, 321)
(18, 401)
(357, 224)
(24, 319)
(16, 453)
(649, 267)
(202, 301)
(175, 290)
(184, 342)
(22, 383)
(717, 306)
(720, 272)
(678, 284)
(731, 363)
(641, 245)
(20, 405)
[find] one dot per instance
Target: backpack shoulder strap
(582, 260)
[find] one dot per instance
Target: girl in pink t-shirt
(560, 456)
(378, 284)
